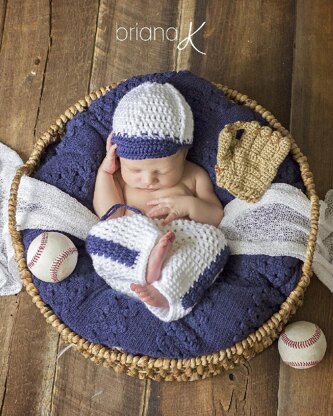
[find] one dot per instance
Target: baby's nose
(149, 179)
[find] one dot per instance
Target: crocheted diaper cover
(120, 250)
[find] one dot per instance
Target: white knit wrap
(154, 109)
(39, 205)
(279, 225)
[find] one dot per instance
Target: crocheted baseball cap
(152, 120)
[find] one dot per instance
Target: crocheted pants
(120, 250)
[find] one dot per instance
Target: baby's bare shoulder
(204, 188)
(195, 170)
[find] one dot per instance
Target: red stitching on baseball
(302, 344)
(59, 260)
(40, 250)
(302, 364)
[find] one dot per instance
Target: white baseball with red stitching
(52, 257)
(302, 345)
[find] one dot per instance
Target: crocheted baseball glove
(247, 166)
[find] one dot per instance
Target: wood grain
(8, 304)
(24, 46)
(72, 31)
(63, 74)
(83, 388)
(234, 392)
(23, 52)
(249, 47)
(3, 10)
(52, 54)
(8, 313)
(31, 363)
(312, 123)
(187, 15)
(124, 53)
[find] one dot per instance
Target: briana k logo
(188, 39)
(153, 33)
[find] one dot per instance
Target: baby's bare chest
(138, 198)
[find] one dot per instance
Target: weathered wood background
(53, 53)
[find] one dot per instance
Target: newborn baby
(145, 167)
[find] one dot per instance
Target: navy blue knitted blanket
(250, 288)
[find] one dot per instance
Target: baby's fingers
(158, 201)
(158, 212)
(108, 142)
(110, 158)
(172, 216)
(111, 163)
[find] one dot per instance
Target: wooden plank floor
(52, 54)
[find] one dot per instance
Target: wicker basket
(166, 369)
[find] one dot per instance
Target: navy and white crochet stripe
(152, 120)
(120, 250)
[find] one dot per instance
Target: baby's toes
(137, 288)
(171, 236)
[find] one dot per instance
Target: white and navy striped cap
(152, 120)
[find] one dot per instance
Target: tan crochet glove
(246, 167)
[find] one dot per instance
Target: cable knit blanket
(277, 225)
(248, 291)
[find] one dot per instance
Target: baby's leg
(158, 255)
(148, 293)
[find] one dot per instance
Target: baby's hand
(172, 207)
(110, 163)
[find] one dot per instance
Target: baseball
(52, 257)
(302, 345)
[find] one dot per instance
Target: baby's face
(153, 174)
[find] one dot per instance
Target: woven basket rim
(167, 369)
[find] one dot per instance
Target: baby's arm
(203, 207)
(206, 207)
(108, 191)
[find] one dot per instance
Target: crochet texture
(120, 249)
(247, 293)
(246, 167)
(152, 120)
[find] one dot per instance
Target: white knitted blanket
(39, 206)
(277, 225)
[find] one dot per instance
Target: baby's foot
(150, 295)
(158, 256)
